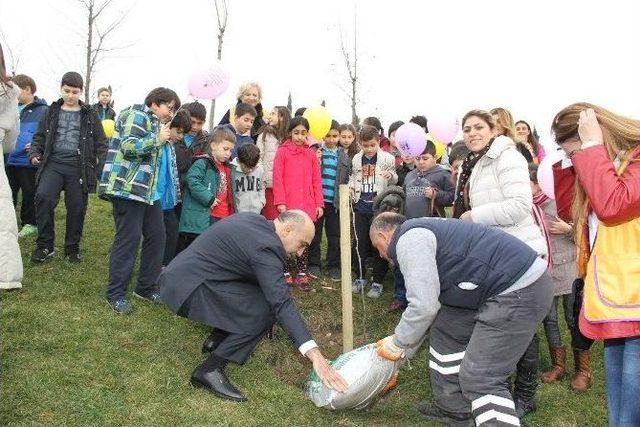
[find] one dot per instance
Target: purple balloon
(210, 83)
(411, 139)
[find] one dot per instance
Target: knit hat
(390, 200)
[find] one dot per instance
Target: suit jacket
(240, 260)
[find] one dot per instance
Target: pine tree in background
(289, 103)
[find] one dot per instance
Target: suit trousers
(235, 347)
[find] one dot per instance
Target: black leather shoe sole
(197, 384)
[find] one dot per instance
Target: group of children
(199, 178)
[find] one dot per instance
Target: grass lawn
(68, 360)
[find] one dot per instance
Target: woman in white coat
(10, 257)
(494, 190)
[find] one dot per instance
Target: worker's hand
(319, 212)
(215, 203)
(466, 216)
(35, 161)
(386, 175)
(559, 227)
(387, 349)
(164, 133)
(281, 208)
(588, 127)
(327, 374)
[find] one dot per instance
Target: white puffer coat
(500, 194)
(10, 257)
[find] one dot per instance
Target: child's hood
(290, 146)
(436, 171)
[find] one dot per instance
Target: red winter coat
(296, 178)
(614, 199)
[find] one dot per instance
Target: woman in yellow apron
(605, 151)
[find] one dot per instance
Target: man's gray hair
(295, 217)
(387, 221)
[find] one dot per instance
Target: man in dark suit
(232, 278)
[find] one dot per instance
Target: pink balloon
(545, 172)
(444, 128)
(411, 139)
(210, 83)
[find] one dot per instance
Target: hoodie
(30, 116)
(415, 184)
(249, 188)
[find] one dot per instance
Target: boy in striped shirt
(334, 169)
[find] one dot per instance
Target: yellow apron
(612, 282)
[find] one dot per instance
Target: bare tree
(221, 14)
(97, 35)
(351, 62)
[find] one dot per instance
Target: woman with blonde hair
(505, 127)
(248, 93)
(604, 149)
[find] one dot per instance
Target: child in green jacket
(208, 195)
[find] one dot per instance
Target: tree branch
(101, 8)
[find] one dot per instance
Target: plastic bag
(367, 374)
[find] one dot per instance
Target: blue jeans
(622, 375)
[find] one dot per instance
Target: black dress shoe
(213, 341)
(216, 382)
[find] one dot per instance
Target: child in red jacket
(297, 185)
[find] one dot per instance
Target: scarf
(461, 203)
(539, 199)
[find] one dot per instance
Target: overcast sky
(416, 57)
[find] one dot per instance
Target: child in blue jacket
(20, 172)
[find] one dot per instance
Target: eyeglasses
(171, 108)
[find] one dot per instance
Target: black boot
(432, 413)
(524, 390)
(212, 377)
(213, 340)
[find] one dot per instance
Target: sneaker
(28, 230)
(121, 306)
(288, 279)
(152, 297)
(41, 254)
(303, 282)
(375, 291)
(358, 285)
(334, 274)
(315, 272)
(74, 258)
